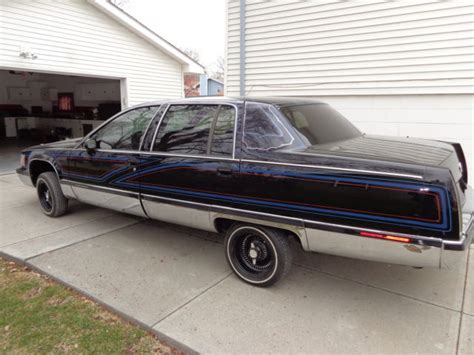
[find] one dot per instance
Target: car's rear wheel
(52, 201)
(258, 255)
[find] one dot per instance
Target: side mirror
(91, 145)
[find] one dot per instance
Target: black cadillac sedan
(263, 172)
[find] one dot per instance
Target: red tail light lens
(385, 236)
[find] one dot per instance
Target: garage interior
(39, 108)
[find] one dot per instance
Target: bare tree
(192, 53)
(120, 3)
(219, 69)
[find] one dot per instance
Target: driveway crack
(191, 300)
(80, 241)
(458, 342)
(378, 288)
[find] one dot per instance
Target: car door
(191, 164)
(96, 173)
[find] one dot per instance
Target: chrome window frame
(208, 156)
(282, 125)
(183, 102)
(113, 118)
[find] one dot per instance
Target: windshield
(319, 124)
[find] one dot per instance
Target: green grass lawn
(38, 315)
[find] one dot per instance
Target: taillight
(393, 238)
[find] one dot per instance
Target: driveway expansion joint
(170, 341)
(380, 288)
(192, 299)
(458, 341)
(80, 241)
(53, 232)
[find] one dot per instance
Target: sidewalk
(176, 281)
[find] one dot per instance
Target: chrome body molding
(68, 191)
(315, 236)
(186, 212)
(299, 231)
(420, 239)
(325, 167)
(452, 258)
(178, 214)
(114, 199)
(163, 154)
(352, 246)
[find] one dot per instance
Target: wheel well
(223, 224)
(38, 167)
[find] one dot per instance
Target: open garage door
(38, 108)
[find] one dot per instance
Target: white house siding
(74, 37)
(400, 68)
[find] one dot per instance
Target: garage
(39, 108)
(65, 67)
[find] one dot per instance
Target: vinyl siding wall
(356, 48)
(401, 68)
(74, 37)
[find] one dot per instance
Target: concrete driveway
(176, 281)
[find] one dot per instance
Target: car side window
(185, 129)
(126, 131)
(222, 143)
(263, 130)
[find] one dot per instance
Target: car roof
(273, 100)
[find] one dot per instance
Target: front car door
(95, 175)
(191, 164)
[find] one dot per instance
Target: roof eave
(189, 65)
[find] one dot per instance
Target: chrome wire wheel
(44, 195)
(252, 254)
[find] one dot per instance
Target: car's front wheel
(258, 255)
(52, 201)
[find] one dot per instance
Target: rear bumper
(24, 177)
(453, 251)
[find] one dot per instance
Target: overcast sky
(196, 24)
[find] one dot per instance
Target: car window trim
(272, 120)
(177, 155)
(152, 145)
(145, 132)
(113, 118)
(211, 130)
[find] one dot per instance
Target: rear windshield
(319, 124)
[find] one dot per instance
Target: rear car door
(95, 175)
(191, 164)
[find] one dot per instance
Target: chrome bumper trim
(465, 240)
(380, 250)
